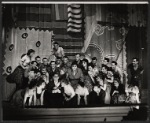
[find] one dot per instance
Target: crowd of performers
(61, 82)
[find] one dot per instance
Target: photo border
(128, 1)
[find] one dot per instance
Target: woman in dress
(70, 98)
(82, 94)
(75, 75)
(53, 96)
(40, 89)
(108, 81)
(90, 78)
(85, 67)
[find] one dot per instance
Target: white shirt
(59, 52)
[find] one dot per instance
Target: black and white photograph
(74, 62)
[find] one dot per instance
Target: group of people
(61, 82)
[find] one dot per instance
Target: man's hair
(74, 63)
(52, 62)
(85, 60)
(78, 54)
(137, 59)
(56, 43)
(66, 57)
(114, 62)
(105, 66)
(37, 57)
(44, 58)
(107, 59)
(94, 58)
(32, 62)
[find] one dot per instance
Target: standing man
(58, 51)
(116, 71)
(106, 62)
(136, 71)
(78, 60)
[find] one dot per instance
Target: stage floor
(82, 114)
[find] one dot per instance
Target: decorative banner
(40, 42)
(24, 35)
(11, 47)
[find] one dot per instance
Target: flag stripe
(77, 25)
(75, 16)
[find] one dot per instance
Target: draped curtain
(105, 34)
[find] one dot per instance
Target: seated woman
(30, 94)
(75, 75)
(96, 96)
(108, 80)
(53, 96)
(132, 93)
(90, 78)
(63, 73)
(82, 93)
(70, 98)
(84, 67)
(40, 89)
(100, 82)
(117, 92)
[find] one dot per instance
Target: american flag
(74, 18)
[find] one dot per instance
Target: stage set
(75, 62)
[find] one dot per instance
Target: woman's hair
(32, 84)
(30, 51)
(90, 64)
(74, 63)
(23, 55)
(117, 79)
(81, 84)
(40, 82)
(65, 81)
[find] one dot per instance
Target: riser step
(72, 50)
(67, 37)
(71, 46)
(78, 40)
(61, 43)
(71, 54)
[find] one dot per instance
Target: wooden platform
(107, 113)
